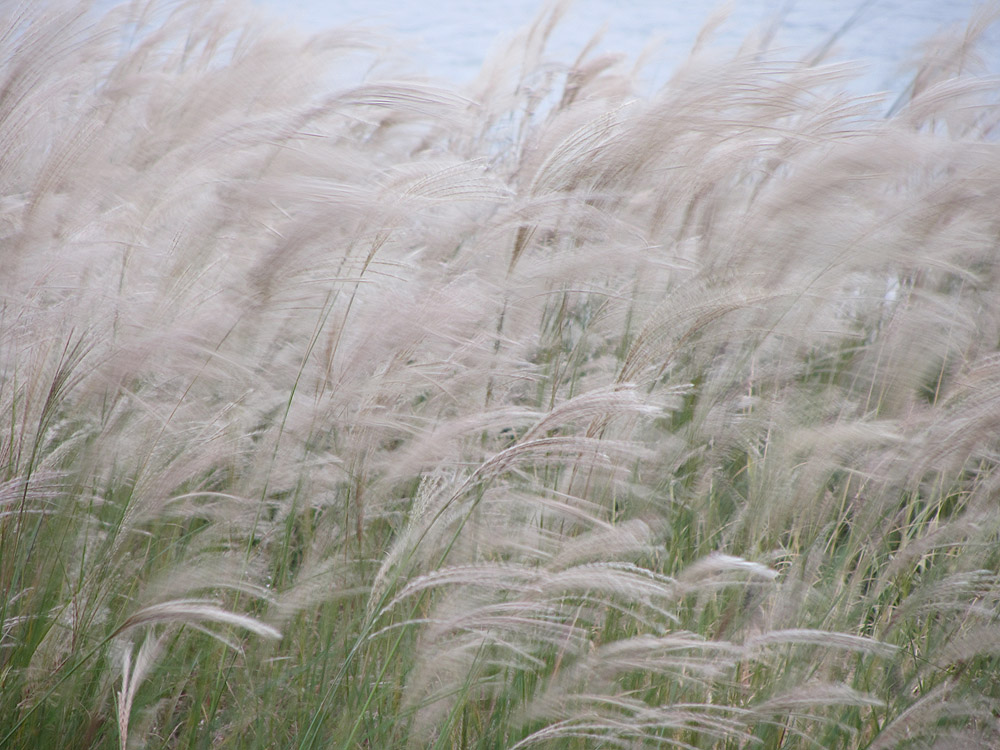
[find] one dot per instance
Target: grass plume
(544, 412)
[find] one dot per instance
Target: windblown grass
(378, 414)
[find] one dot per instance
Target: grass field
(364, 412)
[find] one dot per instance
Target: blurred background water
(450, 38)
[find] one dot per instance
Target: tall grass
(371, 413)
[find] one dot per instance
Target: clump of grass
(341, 413)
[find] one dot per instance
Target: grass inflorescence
(344, 410)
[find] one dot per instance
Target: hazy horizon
(450, 39)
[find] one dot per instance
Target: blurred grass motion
(538, 414)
